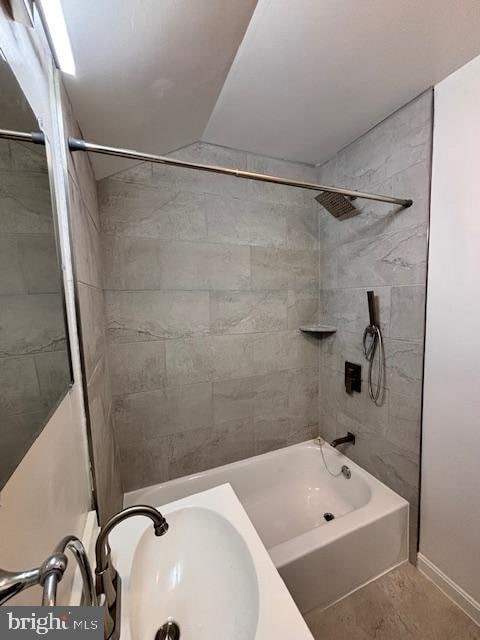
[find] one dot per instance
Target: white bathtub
(286, 494)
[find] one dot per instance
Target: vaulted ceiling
(296, 80)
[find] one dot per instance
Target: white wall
(450, 501)
(48, 496)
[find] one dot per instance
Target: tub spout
(349, 438)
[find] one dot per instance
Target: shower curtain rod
(82, 145)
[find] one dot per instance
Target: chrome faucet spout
(349, 438)
(49, 574)
(160, 526)
(52, 572)
(14, 582)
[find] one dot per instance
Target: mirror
(35, 369)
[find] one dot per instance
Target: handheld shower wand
(373, 340)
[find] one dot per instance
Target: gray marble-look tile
(87, 248)
(98, 391)
(267, 192)
(327, 427)
(328, 267)
(144, 463)
(302, 433)
(412, 133)
(404, 367)
(302, 308)
(328, 243)
(208, 358)
(11, 280)
(347, 309)
(25, 205)
(129, 209)
(246, 397)
(131, 263)
(18, 433)
(404, 419)
(397, 258)
(205, 266)
(137, 366)
(248, 311)
(80, 169)
(271, 433)
(108, 475)
(162, 412)
(5, 155)
(292, 395)
(202, 181)
(40, 263)
(333, 349)
(269, 268)
(106, 462)
(302, 227)
(284, 350)
(139, 316)
(408, 312)
(326, 173)
(272, 393)
(234, 399)
(187, 452)
(414, 183)
(284, 269)
(141, 174)
(246, 222)
(396, 467)
(19, 388)
(357, 411)
(206, 448)
(92, 319)
(275, 432)
(31, 324)
(54, 377)
(231, 441)
(364, 164)
(303, 393)
(28, 157)
(148, 263)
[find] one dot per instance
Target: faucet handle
(51, 573)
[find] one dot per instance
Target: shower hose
(370, 348)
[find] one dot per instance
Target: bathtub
(286, 494)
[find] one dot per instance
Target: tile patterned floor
(402, 605)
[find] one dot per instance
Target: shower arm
(82, 145)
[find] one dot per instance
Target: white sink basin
(209, 573)
(194, 575)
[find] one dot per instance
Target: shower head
(339, 206)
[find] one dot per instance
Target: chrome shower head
(339, 206)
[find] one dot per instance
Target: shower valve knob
(353, 378)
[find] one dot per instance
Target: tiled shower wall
(34, 370)
(87, 254)
(207, 280)
(384, 249)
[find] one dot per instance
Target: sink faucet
(349, 438)
(107, 588)
(49, 575)
(108, 584)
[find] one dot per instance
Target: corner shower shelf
(318, 328)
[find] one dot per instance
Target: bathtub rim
(129, 496)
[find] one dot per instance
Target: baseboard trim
(455, 593)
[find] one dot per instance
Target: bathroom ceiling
(150, 71)
(307, 78)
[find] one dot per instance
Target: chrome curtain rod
(83, 145)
